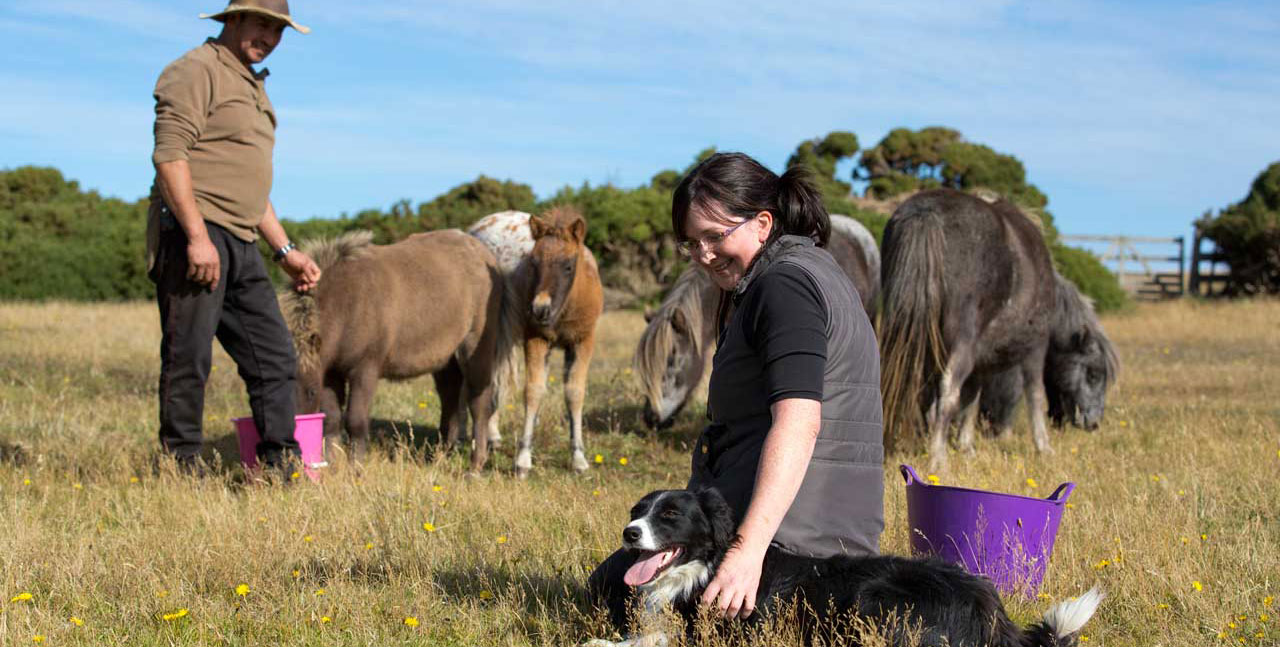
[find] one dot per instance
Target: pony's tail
(300, 310)
(508, 349)
(911, 342)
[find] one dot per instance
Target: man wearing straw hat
(214, 135)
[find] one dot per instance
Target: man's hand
(204, 266)
(304, 271)
(733, 589)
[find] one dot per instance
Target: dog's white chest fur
(675, 583)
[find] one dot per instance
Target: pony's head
(558, 235)
(1081, 364)
(670, 357)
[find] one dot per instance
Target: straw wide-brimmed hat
(278, 9)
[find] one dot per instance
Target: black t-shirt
(784, 320)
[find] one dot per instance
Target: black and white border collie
(680, 536)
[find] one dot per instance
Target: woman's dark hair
(744, 188)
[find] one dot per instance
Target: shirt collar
(234, 63)
(768, 256)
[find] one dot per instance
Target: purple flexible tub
(1005, 537)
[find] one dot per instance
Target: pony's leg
(480, 400)
(1033, 389)
(495, 408)
(947, 404)
(969, 404)
(577, 359)
(360, 400)
(333, 396)
(536, 352)
(449, 387)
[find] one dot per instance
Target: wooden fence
(1137, 262)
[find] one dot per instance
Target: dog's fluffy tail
(1063, 621)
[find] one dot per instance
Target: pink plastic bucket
(1005, 537)
(308, 431)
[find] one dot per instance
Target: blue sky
(1133, 117)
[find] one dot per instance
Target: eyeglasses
(710, 241)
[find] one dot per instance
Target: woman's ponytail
(801, 211)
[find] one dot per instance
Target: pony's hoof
(580, 464)
(472, 475)
(522, 473)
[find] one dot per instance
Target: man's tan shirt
(214, 113)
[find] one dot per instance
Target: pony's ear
(648, 314)
(537, 227)
(679, 322)
(719, 515)
(578, 230)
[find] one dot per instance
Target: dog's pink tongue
(644, 570)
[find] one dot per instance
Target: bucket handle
(909, 474)
(1059, 495)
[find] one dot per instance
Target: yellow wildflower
(1155, 478)
(1185, 540)
(308, 538)
(599, 459)
(1242, 617)
(242, 590)
(77, 486)
(161, 593)
(21, 597)
(623, 460)
(1075, 450)
(933, 479)
(1268, 601)
(1162, 606)
(133, 479)
(411, 621)
(37, 638)
(26, 481)
(1102, 564)
(296, 475)
(296, 573)
(1044, 596)
(319, 591)
(422, 405)
(1231, 625)
(626, 371)
(76, 621)
(1084, 639)
(1204, 537)
(502, 539)
(595, 493)
(428, 526)
(262, 519)
(437, 488)
(486, 595)
(1263, 618)
(324, 620)
(368, 545)
(1181, 492)
(1031, 482)
(180, 613)
(1197, 585)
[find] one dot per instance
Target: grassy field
(1176, 513)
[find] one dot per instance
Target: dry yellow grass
(1176, 514)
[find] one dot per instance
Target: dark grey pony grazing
(1081, 364)
(968, 290)
(680, 337)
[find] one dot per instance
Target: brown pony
(431, 303)
(560, 299)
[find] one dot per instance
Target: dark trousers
(242, 312)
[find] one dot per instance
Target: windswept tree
(1248, 234)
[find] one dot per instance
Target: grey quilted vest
(840, 505)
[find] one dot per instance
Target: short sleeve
(183, 94)
(788, 329)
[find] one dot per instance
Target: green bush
(1090, 276)
(1248, 234)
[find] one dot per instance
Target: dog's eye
(671, 514)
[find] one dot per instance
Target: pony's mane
(1074, 313)
(560, 218)
(299, 309)
(656, 341)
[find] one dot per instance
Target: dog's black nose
(630, 535)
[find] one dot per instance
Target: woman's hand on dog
(733, 589)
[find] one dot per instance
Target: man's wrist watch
(283, 251)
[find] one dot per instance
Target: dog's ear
(718, 515)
